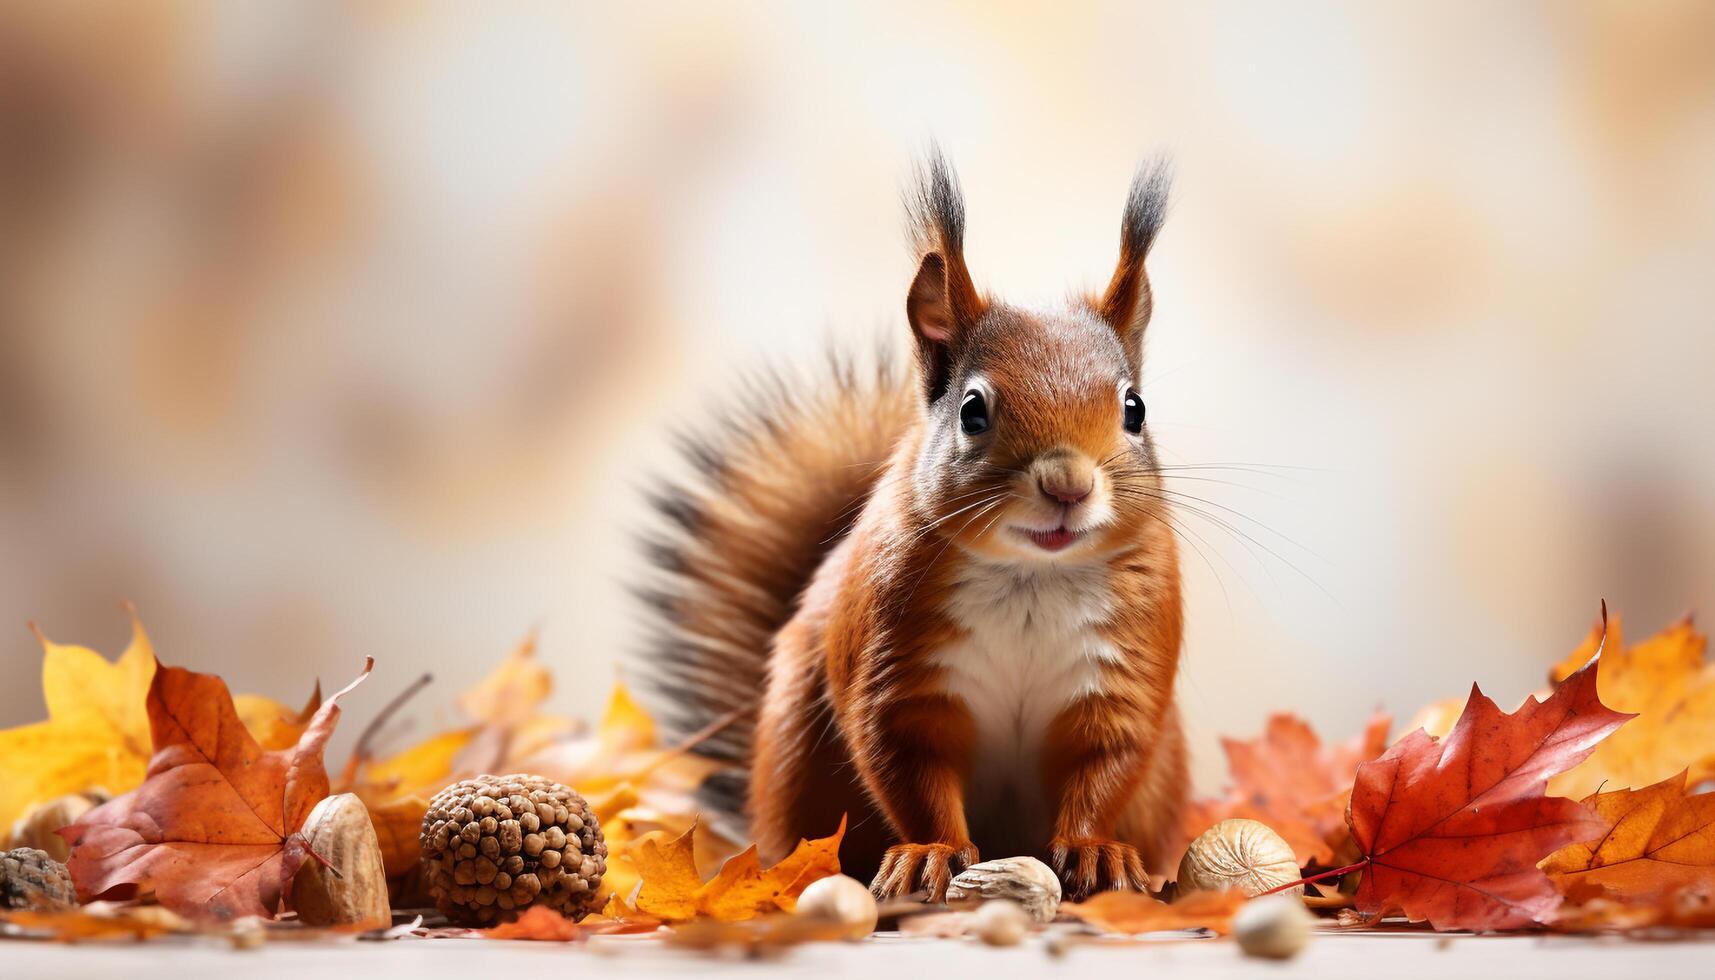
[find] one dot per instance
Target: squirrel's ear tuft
(942, 303)
(1127, 304)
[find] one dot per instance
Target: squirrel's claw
(929, 867)
(1087, 866)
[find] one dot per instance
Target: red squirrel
(943, 602)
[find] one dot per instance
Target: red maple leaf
(1451, 830)
(213, 830)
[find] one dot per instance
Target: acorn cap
(493, 846)
(30, 879)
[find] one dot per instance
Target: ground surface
(1329, 957)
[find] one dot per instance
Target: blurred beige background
(330, 330)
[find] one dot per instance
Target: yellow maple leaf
(96, 735)
(423, 768)
(272, 724)
(512, 692)
(626, 822)
(1667, 682)
(624, 724)
(672, 888)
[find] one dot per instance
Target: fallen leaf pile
(1587, 808)
(1287, 779)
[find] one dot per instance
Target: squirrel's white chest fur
(1031, 647)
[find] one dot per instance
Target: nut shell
(493, 846)
(30, 879)
(1239, 854)
(1025, 880)
(340, 831)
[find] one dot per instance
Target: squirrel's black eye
(974, 413)
(1133, 411)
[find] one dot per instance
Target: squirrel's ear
(1127, 304)
(943, 304)
(928, 306)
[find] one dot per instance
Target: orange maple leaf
(1661, 841)
(1130, 913)
(1451, 830)
(1287, 779)
(213, 831)
(673, 889)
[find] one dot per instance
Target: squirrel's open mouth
(1053, 540)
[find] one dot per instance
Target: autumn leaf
(673, 889)
(1130, 913)
(512, 691)
(744, 888)
(630, 821)
(1662, 841)
(212, 831)
(668, 874)
(505, 725)
(96, 735)
(1288, 780)
(101, 921)
(398, 825)
(538, 923)
(1668, 683)
(618, 916)
(274, 725)
(421, 769)
(1451, 830)
(622, 750)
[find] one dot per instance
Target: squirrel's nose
(1066, 488)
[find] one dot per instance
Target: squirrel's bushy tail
(771, 488)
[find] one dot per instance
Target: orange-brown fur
(868, 709)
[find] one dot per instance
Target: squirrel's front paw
(1088, 865)
(909, 867)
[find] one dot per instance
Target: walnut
(1239, 854)
(494, 845)
(1025, 880)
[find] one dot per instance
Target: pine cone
(494, 845)
(30, 879)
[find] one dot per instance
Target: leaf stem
(362, 751)
(1337, 872)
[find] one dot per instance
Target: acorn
(493, 846)
(30, 879)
